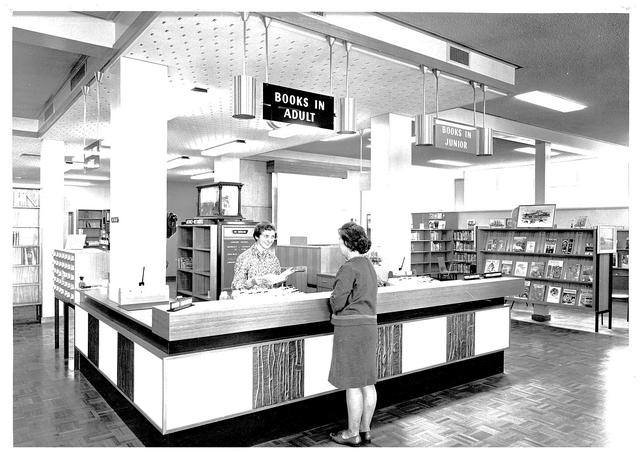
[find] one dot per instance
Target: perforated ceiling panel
(205, 49)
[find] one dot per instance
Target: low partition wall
(186, 387)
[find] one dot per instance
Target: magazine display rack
(560, 266)
(26, 251)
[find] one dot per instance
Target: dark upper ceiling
(583, 57)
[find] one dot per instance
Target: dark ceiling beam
(128, 28)
(307, 22)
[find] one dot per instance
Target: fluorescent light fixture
(550, 101)
(79, 184)
(86, 177)
(337, 137)
(178, 161)
(224, 148)
(70, 166)
(205, 175)
(288, 131)
(449, 162)
(532, 151)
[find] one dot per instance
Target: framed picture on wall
(536, 216)
(606, 239)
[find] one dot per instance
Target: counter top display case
(260, 364)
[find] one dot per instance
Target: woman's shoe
(365, 437)
(353, 441)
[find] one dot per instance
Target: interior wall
(315, 206)
(256, 191)
(93, 197)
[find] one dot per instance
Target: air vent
(50, 110)
(30, 154)
(458, 55)
(78, 76)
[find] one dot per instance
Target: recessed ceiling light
(224, 148)
(178, 161)
(205, 175)
(79, 184)
(532, 151)
(337, 137)
(85, 177)
(291, 130)
(448, 162)
(550, 101)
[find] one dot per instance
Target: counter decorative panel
(278, 373)
(125, 366)
(460, 336)
(389, 352)
(93, 329)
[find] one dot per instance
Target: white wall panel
(108, 352)
(317, 361)
(80, 335)
(492, 330)
(147, 383)
(424, 343)
(209, 385)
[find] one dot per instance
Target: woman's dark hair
(354, 237)
(261, 227)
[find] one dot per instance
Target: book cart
(560, 266)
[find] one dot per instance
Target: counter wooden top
(234, 316)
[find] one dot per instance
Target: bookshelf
(463, 258)
(95, 224)
(27, 272)
(560, 266)
(432, 243)
(196, 260)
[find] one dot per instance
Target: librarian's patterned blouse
(252, 263)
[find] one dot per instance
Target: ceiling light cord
(85, 91)
(473, 86)
(484, 103)
(436, 74)
(423, 69)
(347, 46)
(266, 22)
(331, 40)
(245, 17)
(98, 76)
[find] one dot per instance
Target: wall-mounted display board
(27, 272)
(560, 266)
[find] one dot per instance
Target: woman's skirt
(353, 362)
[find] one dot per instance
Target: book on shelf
(520, 269)
(519, 244)
(30, 255)
(414, 235)
(435, 235)
(588, 249)
(553, 294)
(491, 265)
(586, 298)
(569, 297)
(554, 268)
(586, 275)
(506, 267)
(566, 246)
(536, 293)
(536, 270)
(500, 245)
(572, 271)
(438, 246)
(531, 246)
(436, 224)
(497, 223)
(525, 291)
(491, 245)
(624, 260)
(550, 246)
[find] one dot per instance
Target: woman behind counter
(355, 337)
(258, 266)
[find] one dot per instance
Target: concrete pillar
(390, 191)
(458, 190)
(543, 153)
(138, 177)
(52, 215)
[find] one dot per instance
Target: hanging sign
(455, 137)
(293, 106)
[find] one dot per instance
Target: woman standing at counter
(259, 266)
(353, 361)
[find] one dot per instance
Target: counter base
(269, 424)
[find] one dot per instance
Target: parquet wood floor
(560, 388)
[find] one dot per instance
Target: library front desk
(236, 372)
